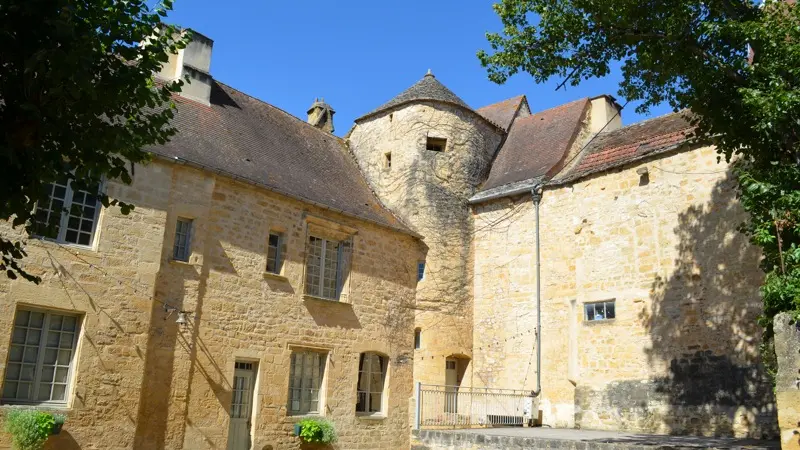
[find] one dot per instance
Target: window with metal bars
(371, 378)
(40, 357)
(327, 266)
(65, 215)
(305, 381)
(183, 240)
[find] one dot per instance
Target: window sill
(374, 416)
(84, 249)
(598, 322)
(180, 263)
(275, 276)
(36, 406)
(301, 417)
(323, 299)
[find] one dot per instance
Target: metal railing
(471, 407)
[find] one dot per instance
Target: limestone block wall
(681, 355)
(143, 381)
(429, 191)
(239, 313)
(787, 381)
(115, 317)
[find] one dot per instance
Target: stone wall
(681, 355)
(429, 191)
(787, 381)
(143, 381)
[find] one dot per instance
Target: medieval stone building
(272, 271)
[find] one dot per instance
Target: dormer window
(435, 144)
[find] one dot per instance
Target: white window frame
(368, 370)
(40, 360)
(187, 247)
(299, 354)
(593, 305)
(66, 213)
(278, 254)
(318, 289)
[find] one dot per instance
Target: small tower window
(387, 160)
(436, 144)
(417, 338)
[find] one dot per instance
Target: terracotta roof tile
(536, 143)
(502, 113)
(244, 137)
(629, 143)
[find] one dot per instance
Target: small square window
(599, 311)
(436, 144)
(183, 240)
(274, 256)
(387, 160)
(420, 270)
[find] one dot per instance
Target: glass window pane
(610, 313)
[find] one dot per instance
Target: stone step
(569, 439)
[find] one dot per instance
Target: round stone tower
(424, 153)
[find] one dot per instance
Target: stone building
(257, 282)
(649, 295)
(272, 271)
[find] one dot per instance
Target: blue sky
(358, 54)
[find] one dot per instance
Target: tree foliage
(735, 64)
(78, 101)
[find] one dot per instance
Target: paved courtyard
(550, 438)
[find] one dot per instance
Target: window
(371, 378)
(274, 257)
(420, 271)
(305, 381)
(599, 311)
(65, 215)
(327, 267)
(183, 240)
(436, 144)
(417, 339)
(40, 357)
(387, 160)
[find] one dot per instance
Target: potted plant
(318, 431)
(29, 429)
(58, 422)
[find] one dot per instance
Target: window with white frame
(599, 311)
(305, 381)
(274, 256)
(40, 357)
(183, 240)
(326, 267)
(66, 215)
(371, 380)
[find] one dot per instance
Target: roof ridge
(278, 109)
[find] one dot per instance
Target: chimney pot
(321, 114)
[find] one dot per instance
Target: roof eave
(432, 100)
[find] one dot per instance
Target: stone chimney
(321, 114)
(604, 112)
(193, 61)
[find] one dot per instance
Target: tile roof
(536, 143)
(428, 88)
(502, 113)
(628, 144)
(246, 138)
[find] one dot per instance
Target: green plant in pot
(316, 431)
(29, 428)
(58, 422)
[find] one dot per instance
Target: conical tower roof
(428, 88)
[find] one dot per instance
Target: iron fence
(471, 407)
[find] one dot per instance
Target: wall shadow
(327, 313)
(703, 327)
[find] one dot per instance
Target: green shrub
(317, 430)
(29, 428)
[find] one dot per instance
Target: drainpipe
(536, 196)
